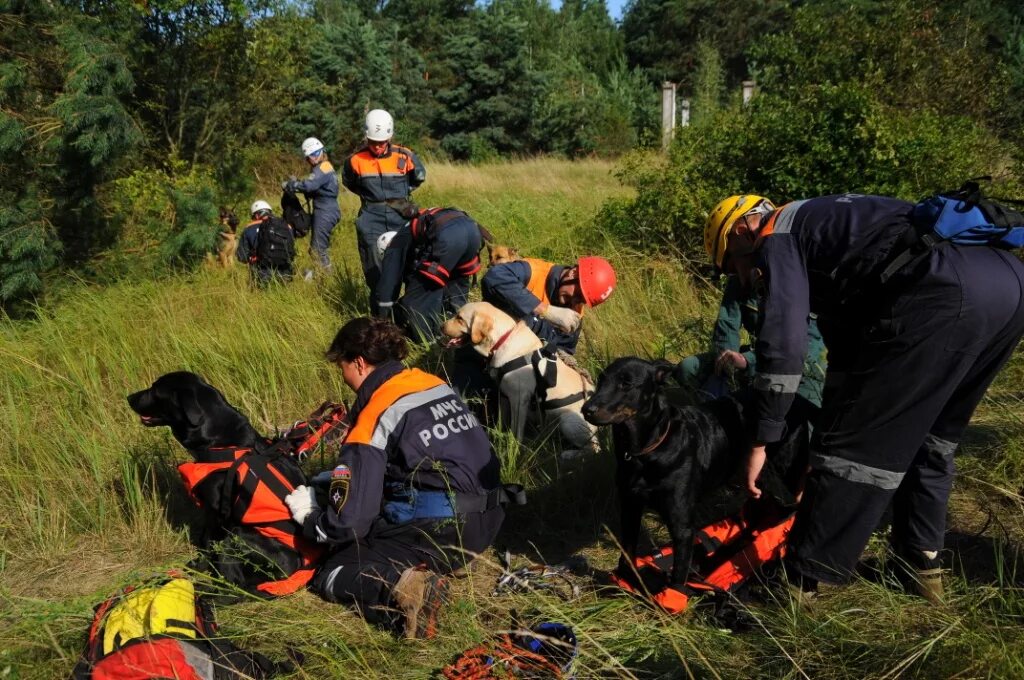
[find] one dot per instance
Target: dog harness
(253, 496)
(729, 553)
(545, 367)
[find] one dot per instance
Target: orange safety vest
(538, 284)
(257, 492)
(746, 550)
(403, 383)
(539, 270)
(397, 162)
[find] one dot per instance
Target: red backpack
(164, 630)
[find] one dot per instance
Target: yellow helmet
(716, 230)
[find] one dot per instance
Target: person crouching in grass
(416, 493)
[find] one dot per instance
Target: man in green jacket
(708, 372)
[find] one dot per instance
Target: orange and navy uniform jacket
(321, 187)
(378, 179)
(411, 430)
(438, 256)
(517, 288)
(254, 491)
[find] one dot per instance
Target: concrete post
(668, 113)
(748, 90)
(684, 113)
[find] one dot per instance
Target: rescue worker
(435, 254)
(550, 298)
(416, 493)
(909, 360)
(379, 172)
(708, 373)
(261, 272)
(320, 187)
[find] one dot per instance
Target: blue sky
(614, 7)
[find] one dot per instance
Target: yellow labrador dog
(525, 373)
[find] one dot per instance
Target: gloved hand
(564, 319)
(285, 186)
(301, 503)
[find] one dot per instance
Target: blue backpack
(966, 217)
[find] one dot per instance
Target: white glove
(564, 319)
(301, 503)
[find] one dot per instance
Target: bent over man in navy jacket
(436, 253)
(908, 361)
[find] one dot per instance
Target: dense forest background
(124, 125)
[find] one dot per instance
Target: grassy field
(92, 500)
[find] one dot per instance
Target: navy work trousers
(320, 237)
(373, 220)
(901, 387)
(365, 572)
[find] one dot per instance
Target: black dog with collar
(686, 463)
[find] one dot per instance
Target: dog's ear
(191, 406)
(663, 371)
(480, 328)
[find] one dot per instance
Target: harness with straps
(546, 375)
(425, 227)
(253, 496)
(731, 551)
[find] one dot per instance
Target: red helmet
(597, 279)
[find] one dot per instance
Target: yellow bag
(169, 609)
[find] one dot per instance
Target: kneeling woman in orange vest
(416, 493)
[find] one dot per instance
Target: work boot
(420, 594)
(802, 591)
(920, 572)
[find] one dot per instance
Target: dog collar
(659, 441)
(503, 338)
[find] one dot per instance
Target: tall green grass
(92, 499)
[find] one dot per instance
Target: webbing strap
(550, 404)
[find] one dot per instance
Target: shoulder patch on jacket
(325, 166)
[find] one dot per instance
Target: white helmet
(379, 125)
(259, 206)
(312, 146)
(383, 241)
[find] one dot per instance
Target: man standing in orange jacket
(379, 172)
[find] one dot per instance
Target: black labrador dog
(687, 463)
(203, 422)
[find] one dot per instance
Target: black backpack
(295, 215)
(275, 244)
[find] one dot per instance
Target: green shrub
(166, 220)
(842, 109)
